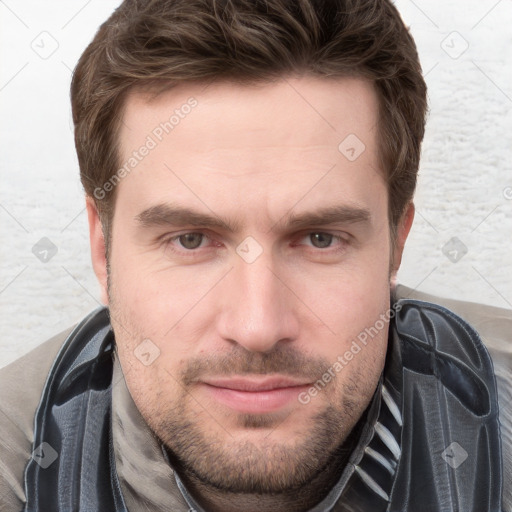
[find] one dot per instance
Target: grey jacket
(147, 480)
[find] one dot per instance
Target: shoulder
(21, 384)
(492, 323)
(494, 327)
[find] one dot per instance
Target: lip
(255, 395)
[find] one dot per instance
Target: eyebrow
(170, 215)
(326, 216)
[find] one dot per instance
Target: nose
(258, 309)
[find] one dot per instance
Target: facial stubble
(219, 456)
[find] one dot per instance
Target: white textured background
(465, 186)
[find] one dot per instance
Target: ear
(403, 228)
(97, 240)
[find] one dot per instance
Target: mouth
(255, 395)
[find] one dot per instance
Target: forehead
(306, 109)
(266, 142)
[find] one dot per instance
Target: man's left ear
(402, 231)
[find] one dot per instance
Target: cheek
(349, 305)
(165, 307)
(351, 298)
(145, 298)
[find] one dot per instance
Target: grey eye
(191, 240)
(321, 240)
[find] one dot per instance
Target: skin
(254, 156)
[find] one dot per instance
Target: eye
(190, 246)
(321, 240)
(190, 241)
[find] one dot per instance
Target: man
(249, 170)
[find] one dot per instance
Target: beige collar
(147, 481)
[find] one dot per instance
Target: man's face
(251, 250)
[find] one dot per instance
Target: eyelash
(343, 241)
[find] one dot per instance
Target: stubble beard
(216, 459)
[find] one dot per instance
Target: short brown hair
(166, 42)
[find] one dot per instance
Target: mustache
(239, 362)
